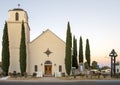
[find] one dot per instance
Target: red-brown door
(48, 69)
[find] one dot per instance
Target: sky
(96, 20)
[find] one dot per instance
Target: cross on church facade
(48, 52)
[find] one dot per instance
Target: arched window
(16, 16)
(48, 62)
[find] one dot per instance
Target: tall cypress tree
(87, 52)
(80, 50)
(5, 51)
(23, 50)
(68, 50)
(74, 56)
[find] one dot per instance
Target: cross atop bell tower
(18, 5)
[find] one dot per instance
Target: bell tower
(15, 18)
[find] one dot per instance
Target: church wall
(47, 40)
(14, 43)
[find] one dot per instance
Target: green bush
(34, 74)
(117, 75)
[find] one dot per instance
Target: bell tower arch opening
(17, 16)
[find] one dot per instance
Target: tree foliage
(81, 51)
(86, 65)
(68, 50)
(23, 51)
(5, 50)
(94, 65)
(74, 56)
(87, 52)
(105, 67)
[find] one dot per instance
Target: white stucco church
(45, 54)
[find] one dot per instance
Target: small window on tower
(16, 16)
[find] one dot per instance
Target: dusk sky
(97, 20)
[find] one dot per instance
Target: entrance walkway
(49, 79)
(54, 79)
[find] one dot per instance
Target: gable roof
(48, 30)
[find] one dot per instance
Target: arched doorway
(48, 67)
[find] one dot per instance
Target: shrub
(34, 74)
(14, 73)
(117, 75)
(10, 74)
(105, 75)
(18, 74)
(25, 74)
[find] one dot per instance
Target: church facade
(45, 54)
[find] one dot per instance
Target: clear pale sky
(97, 20)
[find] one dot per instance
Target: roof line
(45, 32)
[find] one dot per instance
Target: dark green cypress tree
(5, 51)
(23, 50)
(68, 50)
(87, 52)
(74, 56)
(80, 51)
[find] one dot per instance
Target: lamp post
(113, 56)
